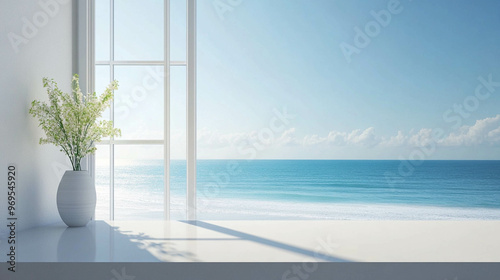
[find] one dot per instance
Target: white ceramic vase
(76, 198)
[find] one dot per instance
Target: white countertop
(263, 241)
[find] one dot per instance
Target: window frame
(86, 68)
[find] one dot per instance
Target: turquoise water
(440, 183)
(290, 188)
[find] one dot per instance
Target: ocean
(308, 189)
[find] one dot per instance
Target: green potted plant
(71, 122)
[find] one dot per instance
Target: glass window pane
(139, 102)
(178, 111)
(178, 30)
(139, 173)
(178, 142)
(139, 30)
(102, 30)
(178, 189)
(102, 80)
(102, 182)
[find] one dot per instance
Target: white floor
(264, 241)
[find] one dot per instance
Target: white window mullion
(112, 116)
(141, 62)
(166, 110)
(191, 110)
(131, 62)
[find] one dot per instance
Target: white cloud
(483, 131)
(337, 138)
(365, 137)
(420, 139)
(312, 140)
(396, 141)
(494, 135)
(287, 138)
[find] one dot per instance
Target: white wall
(45, 50)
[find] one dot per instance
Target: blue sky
(384, 101)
